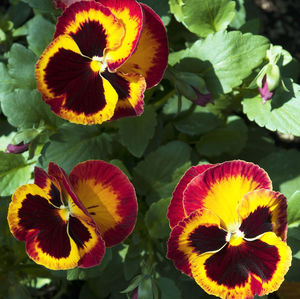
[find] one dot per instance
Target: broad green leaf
(145, 290)
(224, 59)
(206, 17)
(283, 168)
(74, 144)
(161, 170)
(229, 139)
(136, 132)
(45, 6)
(40, 33)
(6, 140)
(14, 172)
(168, 288)
(24, 109)
(6, 82)
(83, 274)
(132, 261)
(171, 106)
(259, 144)
(293, 210)
(200, 121)
(156, 220)
(280, 113)
(240, 15)
(21, 63)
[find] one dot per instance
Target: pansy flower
(104, 55)
(229, 230)
(68, 221)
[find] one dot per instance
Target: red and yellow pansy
(229, 230)
(68, 221)
(103, 56)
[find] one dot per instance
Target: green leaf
(40, 33)
(283, 168)
(45, 6)
(205, 18)
(168, 288)
(293, 211)
(156, 220)
(224, 59)
(83, 274)
(24, 109)
(14, 172)
(230, 139)
(74, 144)
(21, 63)
(136, 132)
(145, 289)
(6, 82)
(159, 173)
(280, 113)
(240, 15)
(259, 144)
(200, 121)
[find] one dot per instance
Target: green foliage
(293, 210)
(67, 149)
(24, 108)
(285, 175)
(230, 139)
(209, 17)
(224, 59)
(215, 49)
(282, 113)
(133, 131)
(21, 63)
(40, 33)
(159, 173)
(156, 220)
(14, 172)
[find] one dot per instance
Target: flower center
(98, 64)
(64, 212)
(235, 238)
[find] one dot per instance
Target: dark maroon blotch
(257, 223)
(90, 38)
(70, 73)
(205, 239)
(231, 265)
(78, 232)
(51, 231)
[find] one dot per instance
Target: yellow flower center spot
(64, 213)
(98, 64)
(236, 238)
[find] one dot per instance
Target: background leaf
(280, 113)
(284, 170)
(136, 132)
(226, 58)
(158, 174)
(293, 210)
(14, 172)
(21, 64)
(68, 149)
(230, 139)
(209, 17)
(156, 220)
(40, 33)
(25, 108)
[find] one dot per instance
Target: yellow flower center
(64, 212)
(98, 64)
(235, 238)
